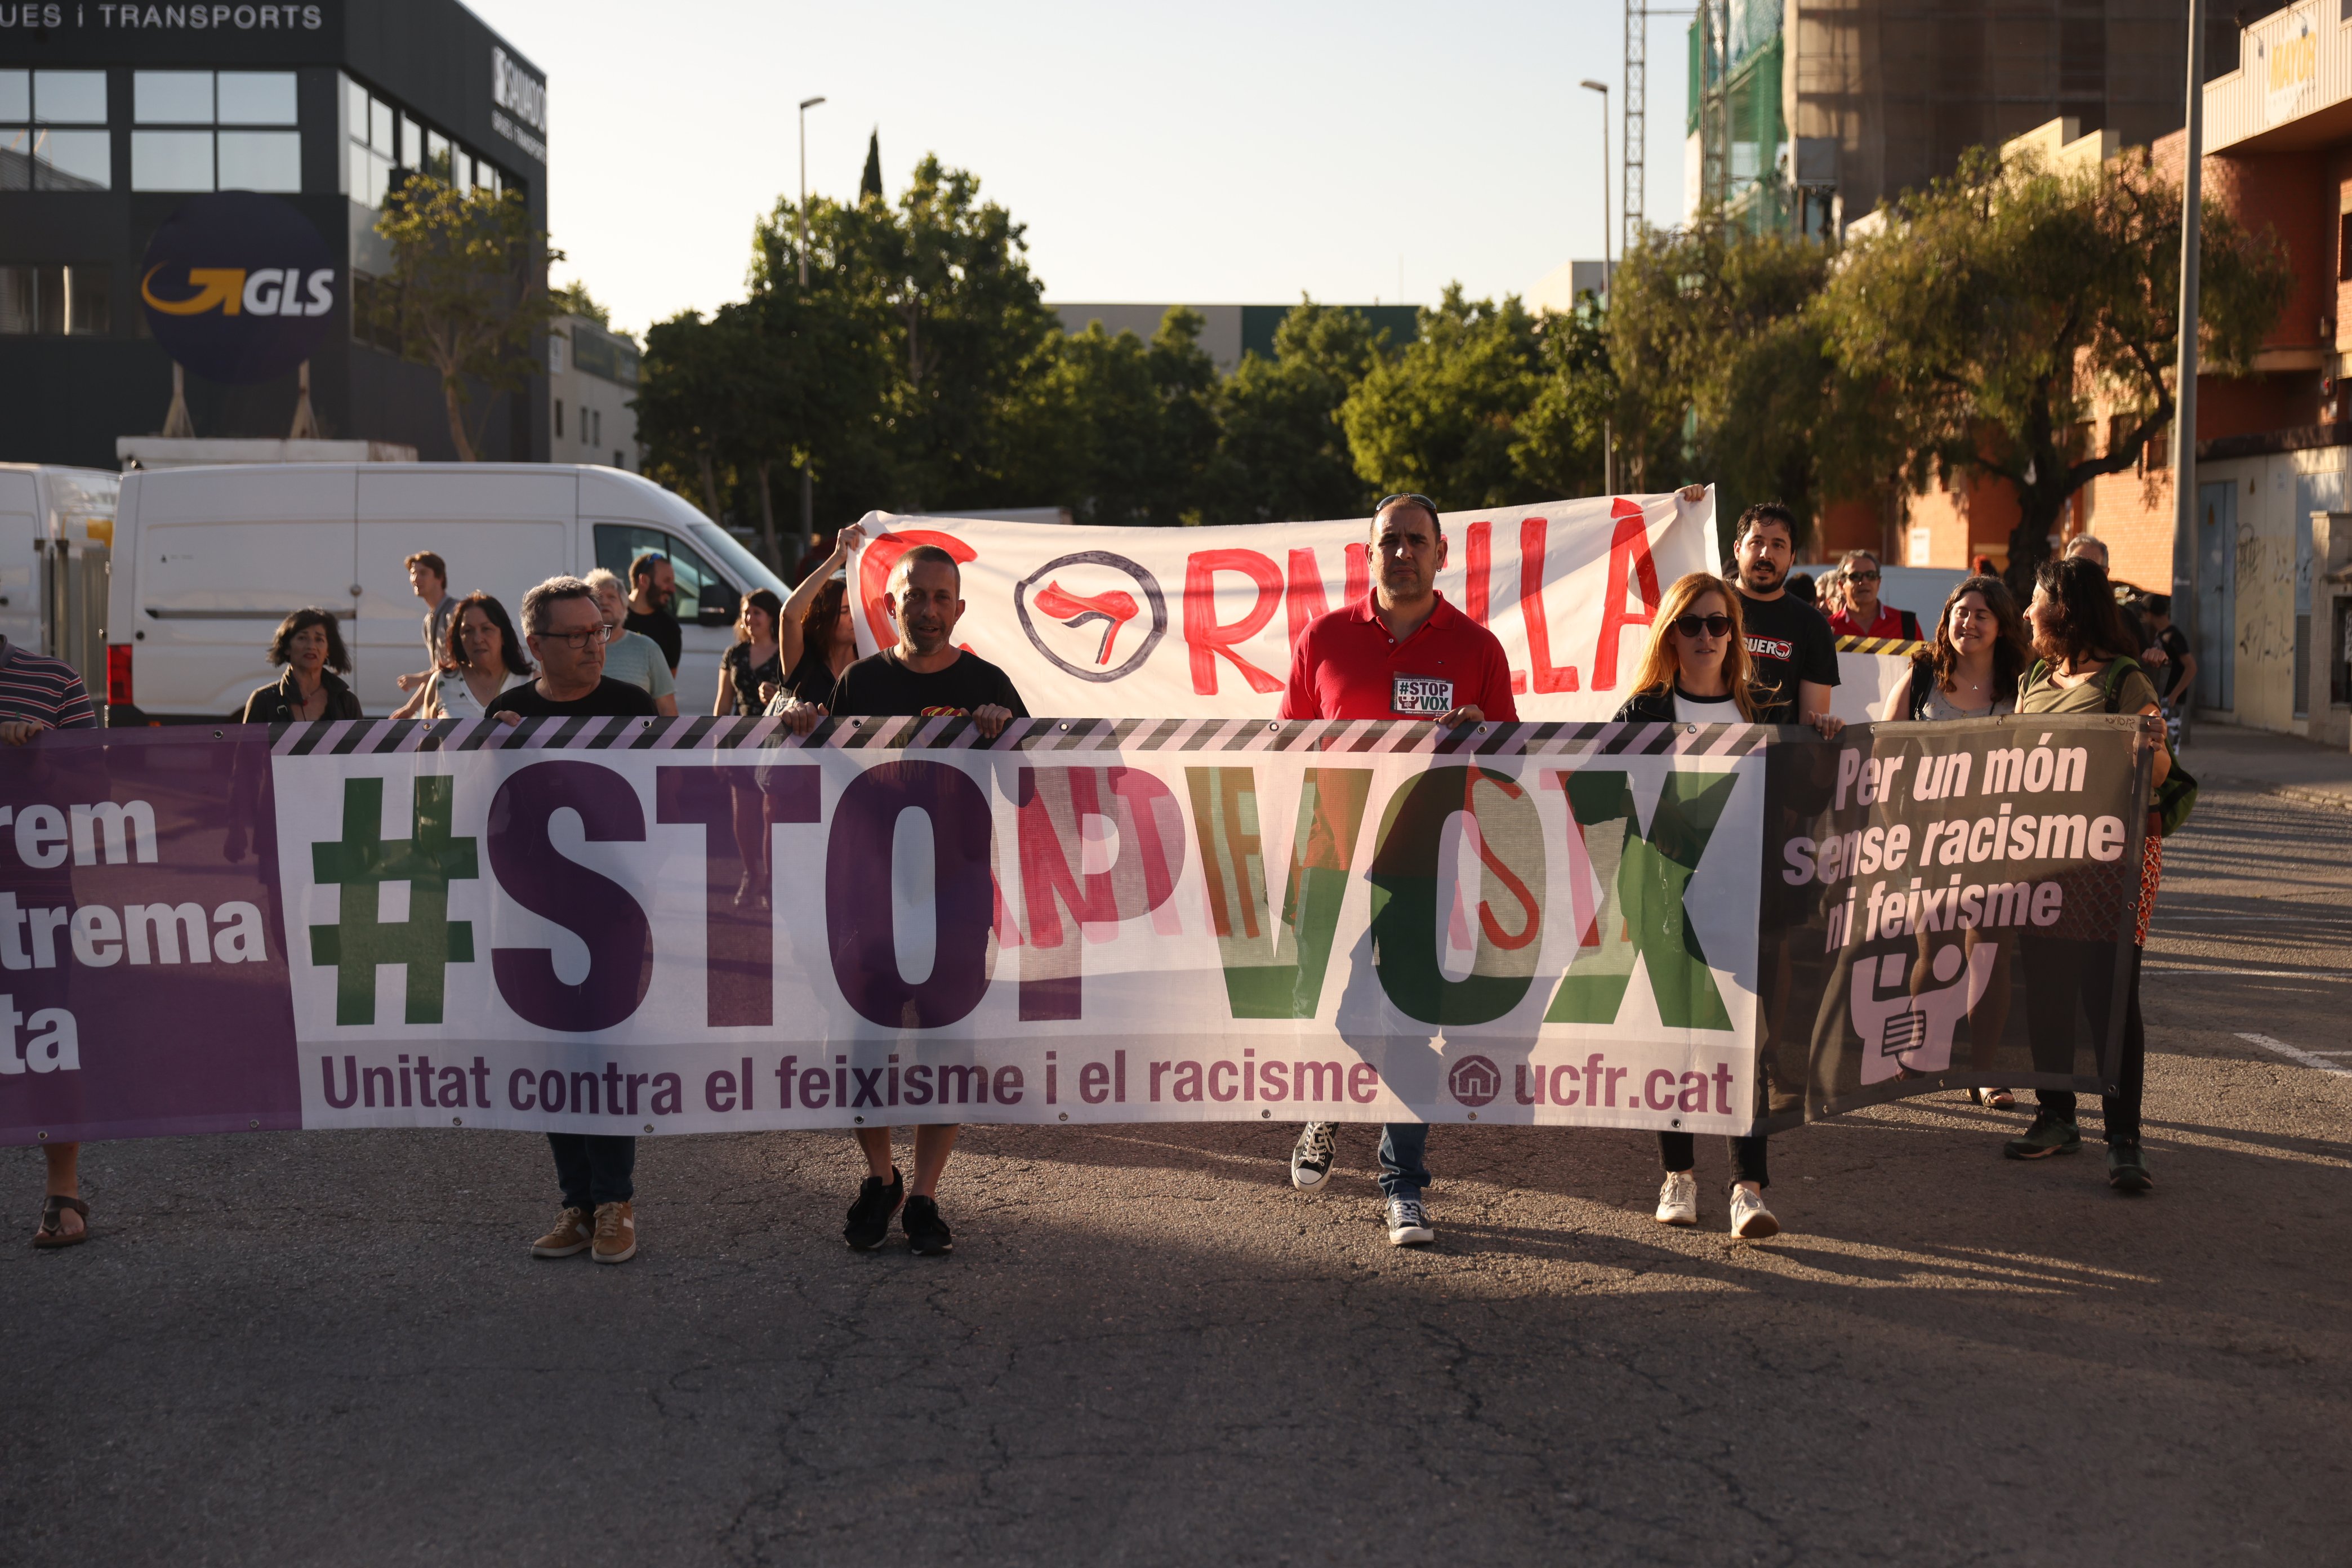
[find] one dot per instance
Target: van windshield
(748, 568)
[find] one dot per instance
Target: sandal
(1994, 1099)
(52, 1232)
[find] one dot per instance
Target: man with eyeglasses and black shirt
(1400, 652)
(566, 633)
(1794, 651)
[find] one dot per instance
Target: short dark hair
(555, 590)
(2157, 605)
(1762, 513)
(2090, 625)
(430, 561)
(927, 554)
(509, 645)
(339, 658)
(1409, 497)
(642, 566)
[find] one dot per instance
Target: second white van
(207, 560)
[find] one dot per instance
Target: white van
(56, 525)
(207, 560)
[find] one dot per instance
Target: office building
(592, 380)
(113, 116)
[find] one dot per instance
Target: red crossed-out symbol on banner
(1074, 610)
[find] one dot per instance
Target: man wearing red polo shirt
(1401, 652)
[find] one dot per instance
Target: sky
(1215, 153)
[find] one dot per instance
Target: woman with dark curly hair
(310, 645)
(2084, 665)
(1970, 670)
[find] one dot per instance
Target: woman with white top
(1970, 670)
(1696, 672)
(484, 658)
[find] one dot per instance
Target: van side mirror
(717, 605)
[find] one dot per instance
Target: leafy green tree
(1443, 417)
(2002, 307)
(869, 183)
(1562, 443)
(468, 281)
(1722, 373)
(573, 299)
(1122, 431)
(1284, 454)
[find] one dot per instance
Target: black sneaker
(869, 1216)
(2126, 1168)
(2049, 1135)
(1310, 1157)
(926, 1234)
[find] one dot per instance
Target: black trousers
(594, 1168)
(1679, 1151)
(2066, 980)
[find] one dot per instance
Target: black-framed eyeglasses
(1715, 625)
(1862, 576)
(578, 641)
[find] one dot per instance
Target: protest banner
(385, 924)
(1197, 623)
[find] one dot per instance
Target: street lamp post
(1608, 434)
(2185, 567)
(808, 483)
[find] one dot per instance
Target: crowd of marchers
(1748, 647)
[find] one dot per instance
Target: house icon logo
(1475, 1080)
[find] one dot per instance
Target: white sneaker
(1678, 1198)
(1310, 1157)
(1750, 1218)
(1409, 1223)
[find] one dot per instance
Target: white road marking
(2257, 973)
(2296, 1054)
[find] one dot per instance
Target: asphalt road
(1147, 1349)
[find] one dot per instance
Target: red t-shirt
(1891, 623)
(1346, 666)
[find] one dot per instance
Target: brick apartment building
(2273, 446)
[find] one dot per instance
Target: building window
(559, 417)
(39, 151)
(175, 147)
(2344, 248)
(382, 139)
(54, 301)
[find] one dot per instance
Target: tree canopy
(2001, 307)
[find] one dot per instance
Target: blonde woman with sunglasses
(1696, 672)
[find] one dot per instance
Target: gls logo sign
(238, 287)
(264, 292)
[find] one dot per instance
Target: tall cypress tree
(869, 184)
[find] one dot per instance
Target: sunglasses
(1417, 499)
(1862, 576)
(1714, 626)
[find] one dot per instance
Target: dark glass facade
(113, 115)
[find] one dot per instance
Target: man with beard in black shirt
(1790, 643)
(1794, 655)
(924, 675)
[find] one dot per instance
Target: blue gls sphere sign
(238, 287)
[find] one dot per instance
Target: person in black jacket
(310, 647)
(1696, 670)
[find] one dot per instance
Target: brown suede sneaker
(572, 1231)
(616, 1233)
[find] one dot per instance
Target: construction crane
(1637, 111)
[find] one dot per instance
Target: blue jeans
(1404, 1159)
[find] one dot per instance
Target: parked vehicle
(209, 560)
(57, 528)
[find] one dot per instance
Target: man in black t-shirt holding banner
(924, 675)
(1790, 643)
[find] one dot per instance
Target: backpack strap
(2111, 684)
(1922, 680)
(1910, 625)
